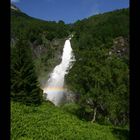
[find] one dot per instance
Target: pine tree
(24, 85)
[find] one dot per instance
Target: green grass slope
(48, 122)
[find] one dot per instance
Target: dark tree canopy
(24, 85)
(101, 73)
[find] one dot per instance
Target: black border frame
(5, 70)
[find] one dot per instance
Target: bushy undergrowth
(101, 78)
(47, 122)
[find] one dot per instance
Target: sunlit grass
(48, 122)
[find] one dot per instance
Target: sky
(68, 10)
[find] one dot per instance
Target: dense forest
(101, 72)
(99, 77)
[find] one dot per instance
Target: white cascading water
(54, 89)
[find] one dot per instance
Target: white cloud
(15, 1)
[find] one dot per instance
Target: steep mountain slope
(32, 28)
(100, 76)
(13, 7)
(45, 38)
(101, 71)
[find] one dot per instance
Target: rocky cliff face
(120, 47)
(46, 57)
(41, 49)
(14, 7)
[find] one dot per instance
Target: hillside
(45, 38)
(100, 74)
(32, 28)
(47, 122)
(99, 77)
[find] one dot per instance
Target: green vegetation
(24, 85)
(100, 76)
(40, 36)
(48, 122)
(33, 29)
(101, 79)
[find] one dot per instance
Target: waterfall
(54, 89)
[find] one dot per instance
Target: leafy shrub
(47, 122)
